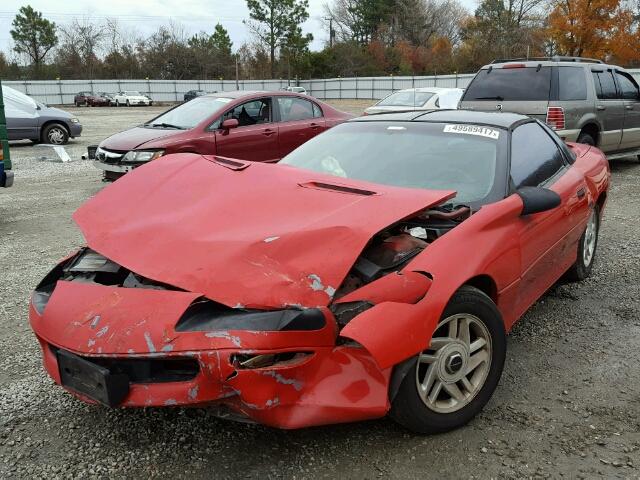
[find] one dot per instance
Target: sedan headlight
(142, 155)
(74, 120)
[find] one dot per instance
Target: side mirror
(537, 199)
(230, 123)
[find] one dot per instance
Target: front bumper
(324, 383)
(116, 168)
(75, 129)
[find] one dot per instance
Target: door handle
(600, 107)
(268, 132)
(581, 192)
(314, 126)
(629, 107)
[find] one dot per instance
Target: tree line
(366, 38)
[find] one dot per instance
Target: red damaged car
(375, 270)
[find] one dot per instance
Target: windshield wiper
(497, 97)
(164, 125)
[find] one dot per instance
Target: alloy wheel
(455, 367)
(590, 237)
(56, 136)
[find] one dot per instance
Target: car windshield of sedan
(406, 99)
(132, 93)
(438, 156)
(190, 114)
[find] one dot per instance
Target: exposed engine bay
(393, 248)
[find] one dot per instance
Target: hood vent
(229, 163)
(338, 188)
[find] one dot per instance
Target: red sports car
(258, 126)
(374, 270)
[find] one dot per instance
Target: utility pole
(237, 74)
(332, 33)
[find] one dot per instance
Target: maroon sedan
(91, 99)
(258, 126)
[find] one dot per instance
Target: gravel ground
(568, 404)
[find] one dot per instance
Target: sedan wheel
(587, 245)
(454, 369)
(450, 382)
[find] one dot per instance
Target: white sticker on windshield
(472, 130)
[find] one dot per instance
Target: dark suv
(582, 99)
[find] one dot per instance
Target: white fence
(61, 92)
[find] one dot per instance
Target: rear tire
(587, 139)
(467, 361)
(583, 265)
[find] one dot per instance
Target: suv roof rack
(555, 58)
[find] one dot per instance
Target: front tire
(583, 265)
(55, 134)
(455, 377)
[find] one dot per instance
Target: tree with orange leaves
(594, 28)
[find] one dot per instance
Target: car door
(628, 90)
(22, 119)
(548, 240)
(255, 138)
(609, 109)
(300, 120)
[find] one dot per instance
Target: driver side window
(535, 157)
(254, 112)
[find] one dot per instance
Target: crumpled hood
(262, 236)
(136, 137)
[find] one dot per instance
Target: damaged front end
(125, 348)
(165, 308)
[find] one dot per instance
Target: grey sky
(145, 16)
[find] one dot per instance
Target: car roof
(250, 93)
(497, 119)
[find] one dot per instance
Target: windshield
(422, 155)
(132, 93)
(406, 99)
(190, 114)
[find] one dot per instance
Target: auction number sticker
(473, 130)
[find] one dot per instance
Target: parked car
(294, 89)
(260, 126)
(108, 96)
(28, 119)
(376, 269)
(6, 175)
(91, 99)
(191, 94)
(130, 98)
(427, 98)
(584, 100)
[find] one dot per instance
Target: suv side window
(317, 111)
(607, 85)
(628, 86)
(535, 157)
(572, 84)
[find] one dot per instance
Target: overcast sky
(145, 16)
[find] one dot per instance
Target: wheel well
(593, 130)
(485, 284)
